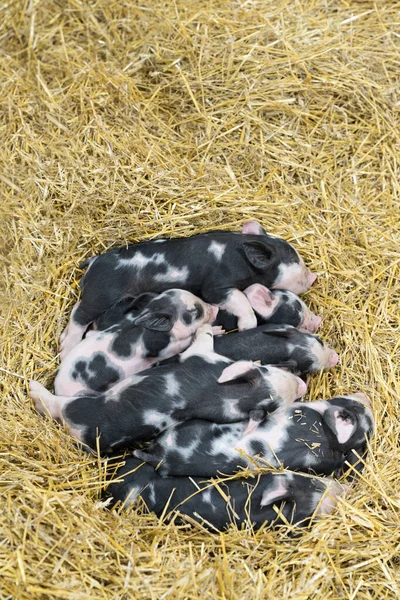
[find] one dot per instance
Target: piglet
(215, 266)
(150, 327)
(313, 436)
(248, 501)
(201, 385)
(278, 344)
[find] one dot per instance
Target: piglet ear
(253, 227)
(140, 302)
(342, 424)
(261, 299)
(154, 321)
(240, 371)
(259, 254)
(278, 491)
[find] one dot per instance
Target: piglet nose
(316, 322)
(301, 387)
(333, 358)
(363, 398)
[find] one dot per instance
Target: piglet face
(351, 420)
(310, 322)
(285, 385)
(191, 313)
(176, 312)
(323, 356)
(294, 276)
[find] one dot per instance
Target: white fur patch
(173, 274)
(139, 260)
(172, 384)
(217, 250)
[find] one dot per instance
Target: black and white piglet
(312, 436)
(277, 307)
(277, 345)
(215, 266)
(151, 327)
(248, 501)
(201, 385)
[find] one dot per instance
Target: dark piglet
(277, 307)
(215, 266)
(313, 436)
(277, 345)
(202, 385)
(247, 502)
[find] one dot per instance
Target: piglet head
(294, 276)
(310, 321)
(323, 356)
(350, 419)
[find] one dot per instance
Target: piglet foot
(247, 322)
(204, 331)
(37, 391)
(218, 330)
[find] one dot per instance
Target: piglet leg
(203, 343)
(72, 334)
(45, 401)
(238, 305)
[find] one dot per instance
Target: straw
(123, 121)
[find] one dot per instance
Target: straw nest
(125, 120)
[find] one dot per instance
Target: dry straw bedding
(124, 120)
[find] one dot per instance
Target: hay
(128, 120)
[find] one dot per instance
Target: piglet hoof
(333, 492)
(36, 392)
(218, 330)
(247, 322)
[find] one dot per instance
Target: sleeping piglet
(218, 505)
(151, 327)
(201, 385)
(278, 345)
(278, 307)
(216, 266)
(310, 436)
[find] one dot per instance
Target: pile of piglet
(147, 366)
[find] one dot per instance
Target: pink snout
(310, 323)
(311, 277)
(333, 358)
(301, 387)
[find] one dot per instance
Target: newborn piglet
(215, 266)
(248, 501)
(202, 385)
(278, 344)
(277, 307)
(312, 436)
(151, 327)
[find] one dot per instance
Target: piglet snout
(310, 323)
(301, 387)
(311, 277)
(333, 358)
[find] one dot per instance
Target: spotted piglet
(278, 345)
(147, 329)
(216, 266)
(311, 436)
(236, 502)
(201, 385)
(277, 307)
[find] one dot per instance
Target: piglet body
(215, 266)
(202, 385)
(278, 344)
(312, 436)
(246, 501)
(150, 327)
